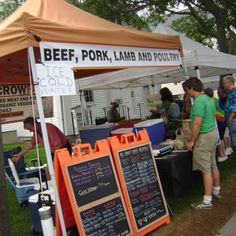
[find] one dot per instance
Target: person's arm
(195, 132)
(231, 116)
(26, 149)
(232, 106)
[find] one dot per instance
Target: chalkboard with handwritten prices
(93, 180)
(106, 219)
(142, 185)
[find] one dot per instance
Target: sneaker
(228, 151)
(231, 150)
(221, 159)
(201, 206)
(217, 197)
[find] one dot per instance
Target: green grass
(20, 216)
(194, 192)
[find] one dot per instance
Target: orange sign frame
(129, 141)
(82, 153)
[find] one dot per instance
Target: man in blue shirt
(230, 108)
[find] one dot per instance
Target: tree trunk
(4, 219)
(221, 35)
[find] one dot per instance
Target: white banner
(55, 80)
(16, 103)
(86, 55)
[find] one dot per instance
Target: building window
(88, 96)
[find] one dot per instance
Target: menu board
(92, 180)
(142, 185)
(108, 218)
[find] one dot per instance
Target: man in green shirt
(203, 142)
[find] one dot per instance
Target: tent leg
(45, 137)
(198, 73)
(184, 67)
(196, 68)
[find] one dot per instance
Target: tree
(202, 20)
(121, 11)
(191, 28)
(203, 14)
(7, 7)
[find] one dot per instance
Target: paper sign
(55, 80)
(87, 55)
(16, 103)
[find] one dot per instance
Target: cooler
(33, 207)
(121, 131)
(155, 129)
(90, 134)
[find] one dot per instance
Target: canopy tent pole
(196, 67)
(185, 69)
(45, 137)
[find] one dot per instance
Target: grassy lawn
(20, 216)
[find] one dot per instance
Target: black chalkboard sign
(92, 180)
(142, 185)
(108, 218)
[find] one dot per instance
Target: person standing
(230, 108)
(172, 115)
(203, 142)
(57, 140)
(187, 105)
(218, 105)
(113, 115)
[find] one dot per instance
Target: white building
(133, 98)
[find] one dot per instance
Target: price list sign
(106, 219)
(142, 185)
(92, 180)
(140, 182)
(94, 193)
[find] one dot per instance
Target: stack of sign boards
(112, 190)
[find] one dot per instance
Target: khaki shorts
(204, 152)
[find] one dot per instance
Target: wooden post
(4, 218)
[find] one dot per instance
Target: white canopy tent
(132, 78)
(209, 61)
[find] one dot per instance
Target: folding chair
(24, 187)
(19, 166)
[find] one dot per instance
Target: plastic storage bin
(155, 129)
(90, 134)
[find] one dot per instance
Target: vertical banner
(16, 103)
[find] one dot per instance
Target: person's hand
(190, 145)
(230, 121)
(15, 158)
(158, 110)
